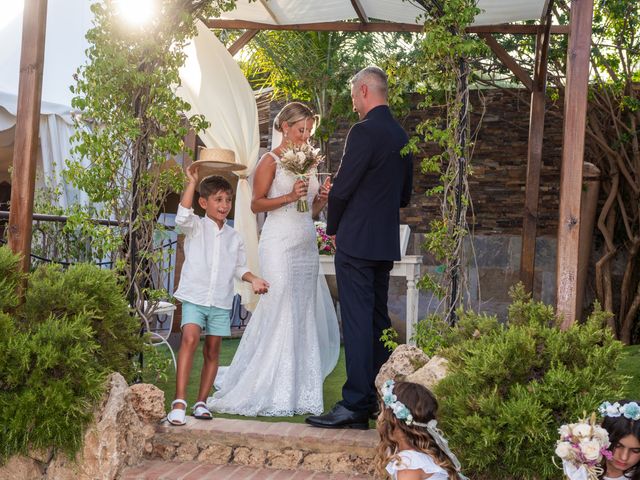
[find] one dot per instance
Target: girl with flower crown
(622, 422)
(411, 446)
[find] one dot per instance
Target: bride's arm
(262, 181)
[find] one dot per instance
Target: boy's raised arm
(185, 219)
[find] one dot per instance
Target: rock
(287, 459)
(404, 360)
(252, 457)
(42, 455)
(148, 402)
(115, 439)
(19, 467)
(216, 453)
(429, 375)
(187, 451)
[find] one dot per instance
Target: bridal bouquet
(581, 447)
(326, 246)
(301, 161)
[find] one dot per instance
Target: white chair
(159, 325)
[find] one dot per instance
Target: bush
(56, 351)
(87, 290)
(510, 387)
(48, 385)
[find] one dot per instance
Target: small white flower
(564, 431)
(289, 155)
(590, 449)
(582, 430)
(601, 435)
(563, 450)
(301, 157)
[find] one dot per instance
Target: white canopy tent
(63, 54)
(301, 12)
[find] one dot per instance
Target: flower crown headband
(401, 412)
(629, 410)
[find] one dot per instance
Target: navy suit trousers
(363, 286)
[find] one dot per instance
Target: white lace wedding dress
(292, 341)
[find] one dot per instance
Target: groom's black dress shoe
(340, 417)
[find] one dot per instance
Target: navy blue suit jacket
(371, 185)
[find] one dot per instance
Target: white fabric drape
(56, 129)
(214, 86)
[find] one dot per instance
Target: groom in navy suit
(373, 182)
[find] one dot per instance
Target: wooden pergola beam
(25, 150)
(357, 6)
(242, 41)
(575, 118)
(377, 27)
(508, 60)
(534, 155)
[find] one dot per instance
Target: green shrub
(48, 386)
(87, 290)
(56, 350)
(10, 278)
(510, 387)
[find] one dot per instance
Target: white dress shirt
(212, 258)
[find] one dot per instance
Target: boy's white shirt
(212, 258)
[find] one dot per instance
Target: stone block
(253, 457)
(148, 402)
(20, 467)
(429, 375)
(216, 453)
(404, 360)
(287, 459)
(187, 451)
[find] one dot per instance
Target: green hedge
(56, 351)
(511, 386)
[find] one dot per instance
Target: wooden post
(25, 147)
(575, 112)
(534, 158)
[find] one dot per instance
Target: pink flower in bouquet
(326, 245)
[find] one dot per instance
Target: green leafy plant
(441, 75)
(511, 386)
(131, 123)
(73, 329)
(95, 294)
(389, 338)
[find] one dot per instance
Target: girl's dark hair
(423, 407)
(214, 184)
(618, 428)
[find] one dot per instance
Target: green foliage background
(511, 386)
(57, 349)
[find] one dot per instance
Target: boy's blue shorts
(213, 320)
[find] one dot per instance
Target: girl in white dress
(411, 446)
(622, 422)
(292, 341)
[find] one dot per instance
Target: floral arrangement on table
(326, 244)
(301, 161)
(582, 446)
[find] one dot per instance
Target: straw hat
(216, 161)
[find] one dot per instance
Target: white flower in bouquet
(581, 447)
(301, 161)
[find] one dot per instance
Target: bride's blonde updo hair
(291, 113)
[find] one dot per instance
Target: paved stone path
(162, 470)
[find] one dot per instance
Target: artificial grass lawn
(630, 366)
(332, 391)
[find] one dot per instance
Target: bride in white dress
(292, 341)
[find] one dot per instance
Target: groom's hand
(259, 286)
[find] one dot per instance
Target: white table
(408, 267)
